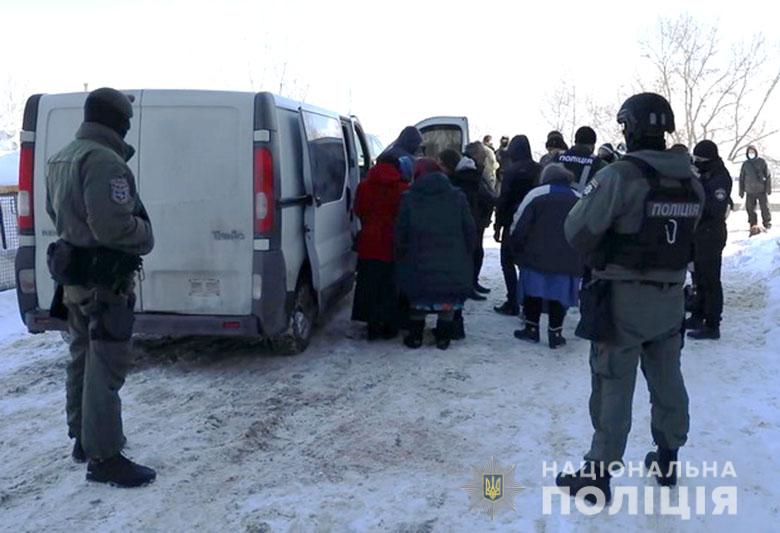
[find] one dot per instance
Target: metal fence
(9, 240)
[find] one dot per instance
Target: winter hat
(585, 135)
(111, 108)
(556, 172)
(555, 140)
(476, 151)
(606, 150)
(450, 159)
(679, 148)
(705, 151)
(426, 165)
(753, 149)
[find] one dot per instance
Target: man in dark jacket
(465, 174)
(555, 145)
(401, 152)
(502, 160)
(580, 160)
(520, 177)
(709, 241)
(435, 237)
(756, 181)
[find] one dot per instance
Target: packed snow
(351, 436)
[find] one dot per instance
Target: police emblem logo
(493, 488)
(120, 191)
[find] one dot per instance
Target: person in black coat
(709, 241)
(519, 177)
(435, 236)
(402, 151)
(465, 174)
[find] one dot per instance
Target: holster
(71, 265)
(595, 311)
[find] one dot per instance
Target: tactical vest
(579, 165)
(665, 239)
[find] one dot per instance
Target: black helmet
(646, 115)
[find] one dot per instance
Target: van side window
(327, 156)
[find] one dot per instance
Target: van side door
(327, 229)
(441, 133)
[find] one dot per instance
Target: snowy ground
(351, 436)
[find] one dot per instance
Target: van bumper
(164, 324)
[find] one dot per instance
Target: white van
(250, 197)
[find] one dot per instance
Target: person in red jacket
(376, 296)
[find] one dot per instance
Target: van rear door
(59, 117)
(441, 133)
(327, 217)
(195, 178)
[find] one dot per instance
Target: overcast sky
(391, 63)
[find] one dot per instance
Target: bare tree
(567, 109)
(270, 70)
(12, 99)
(718, 93)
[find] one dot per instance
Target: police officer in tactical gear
(103, 230)
(580, 159)
(635, 226)
(709, 241)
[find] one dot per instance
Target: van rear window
(436, 139)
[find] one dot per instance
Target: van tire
(301, 322)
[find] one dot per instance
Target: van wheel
(301, 324)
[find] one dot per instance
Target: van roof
(280, 101)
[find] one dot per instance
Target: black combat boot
(665, 468)
(481, 289)
(705, 333)
(78, 454)
(508, 309)
(119, 471)
(530, 333)
(444, 334)
(476, 296)
(458, 329)
(590, 475)
(414, 338)
(555, 338)
(694, 322)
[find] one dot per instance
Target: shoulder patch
(120, 191)
(591, 186)
(720, 194)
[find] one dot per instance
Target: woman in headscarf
(550, 269)
(376, 205)
(434, 242)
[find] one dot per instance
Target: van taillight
(26, 197)
(264, 190)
